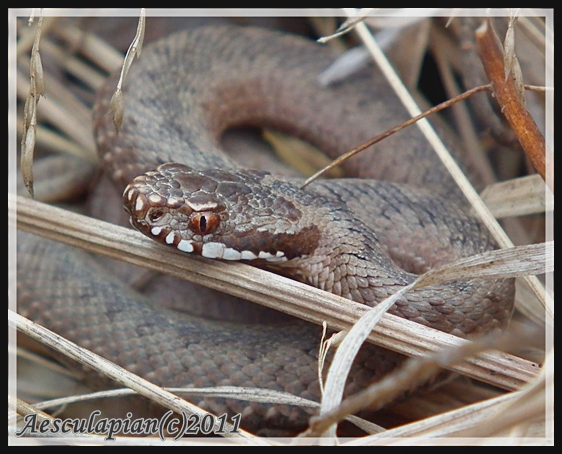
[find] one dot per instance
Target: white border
(14, 13)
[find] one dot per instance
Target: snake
(396, 214)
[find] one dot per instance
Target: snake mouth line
(216, 250)
(210, 250)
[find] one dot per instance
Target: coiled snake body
(362, 239)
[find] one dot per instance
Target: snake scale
(360, 238)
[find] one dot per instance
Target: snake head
(219, 214)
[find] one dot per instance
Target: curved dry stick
(505, 91)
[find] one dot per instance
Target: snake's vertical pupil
(204, 223)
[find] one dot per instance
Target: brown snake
(362, 239)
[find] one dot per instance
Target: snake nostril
(155, 215)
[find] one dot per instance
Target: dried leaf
(116, 106)
(517, 76)
(509, 49)
(517, 197)
(28, 141)
(27, 148)
(36, 73)
(36, 90)
(511, 64)
(325, 344)
(503, 263)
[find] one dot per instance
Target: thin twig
(391, 131)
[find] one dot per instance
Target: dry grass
(475, 420)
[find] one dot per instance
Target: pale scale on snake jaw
(362, 239)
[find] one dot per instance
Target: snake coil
(360, 238)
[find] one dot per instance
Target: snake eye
(204, 223)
